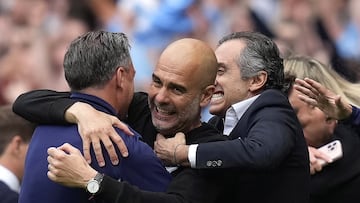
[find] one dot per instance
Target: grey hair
(94, 57)
(259, 54)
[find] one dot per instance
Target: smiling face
(179, 88)
(174, 103)
(230, 88)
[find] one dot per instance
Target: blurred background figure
(15, 135)
(338, 181)
(35, 33)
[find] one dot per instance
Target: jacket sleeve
(203, 189)
(353, 120)
(43, 106)
(267, 142)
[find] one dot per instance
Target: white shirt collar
(9, 178)
(242, 106)
(235, 112)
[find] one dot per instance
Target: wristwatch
(93, 186)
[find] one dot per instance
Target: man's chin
(163, 129)
(165, 132)
(215, 110)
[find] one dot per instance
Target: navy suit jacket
(141, 168)
(266, 156)
(7, 195)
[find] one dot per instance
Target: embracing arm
(52, 107)
(257, 151)
(187, 186)
(261, 148)
(43, 106)
(69, 168)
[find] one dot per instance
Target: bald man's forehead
(189, 45)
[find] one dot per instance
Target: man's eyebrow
(177, 86)
(220, 64)
(154, 76)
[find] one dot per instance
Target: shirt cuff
(192, 155)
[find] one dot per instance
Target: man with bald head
(182, 84)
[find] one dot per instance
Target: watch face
(93, 186)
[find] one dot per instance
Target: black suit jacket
(7, 195)
(267, 155)
(188, 185)
(340, 180)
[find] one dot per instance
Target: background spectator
(327, 30)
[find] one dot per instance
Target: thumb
(160, 137)
(117, 123)
(180, 136)
(338, 100)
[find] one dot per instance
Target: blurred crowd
(35, 33)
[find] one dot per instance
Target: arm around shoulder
(43, 106)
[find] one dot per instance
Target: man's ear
(206, 95)
(120, 77)
(15, 145)
(258, 82)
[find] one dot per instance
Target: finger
(51, 151)
(180, 136)
(307, 100)
(50, 159)
(320, 155)
(49, 167)
(312, 171)
(310, 87)
(308, 91)
(122, 126)
(160, 137)
(98, 153)
(324, 157)
(55, 153)
(110, 149)
(316, 86)
(302, 83)
(337, 100)
(116, 138)
(54, 170)
(312, 159)
(86, 149)
(51, 176)
(317, 167)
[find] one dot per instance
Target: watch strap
(99, 177)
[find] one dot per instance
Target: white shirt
(234, 113)
(9, 178)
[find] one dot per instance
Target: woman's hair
(306, 67)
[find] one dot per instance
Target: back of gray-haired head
(259, 54)
(93, 58)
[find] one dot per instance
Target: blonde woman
(304, 67)
(328, 101)
(337, 181)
